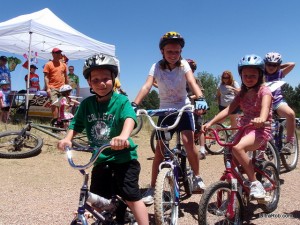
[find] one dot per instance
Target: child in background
(65, 103)
(4, 100)
(276, 71)
(255, 100)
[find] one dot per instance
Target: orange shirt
(56, 72)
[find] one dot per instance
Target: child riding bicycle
(108, 117)
(255, 100)
(276, 71)
(171, 74)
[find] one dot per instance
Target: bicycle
(23, 144)
(223, 202)
(288, 160)
(103, 210)
(211, 145)
(173, 171)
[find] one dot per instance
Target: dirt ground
(45, 190)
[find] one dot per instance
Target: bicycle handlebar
(165, 112)
(237, 137)
(94, 157)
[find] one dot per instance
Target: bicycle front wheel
(138, 126)
(15, 146)
(211, 144)
(165, 207)
(214, 203)
(289, 161)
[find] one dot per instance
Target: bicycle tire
(29, 145)
(271, 170)
(270, 154)
(138, 126)
(152, 140)
(186, 176)
(210, 213)
(289, 161)
(211, 145)
(165, 208)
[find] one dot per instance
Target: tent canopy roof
(47, 32)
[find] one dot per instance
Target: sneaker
(288, 148)
(202, 155)
(148, 196)
(257, 190)
(198, 185)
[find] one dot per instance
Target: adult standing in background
(73, 82)
(4, 71)
(227, 90)
(55, 76)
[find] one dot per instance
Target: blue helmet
(251, 61)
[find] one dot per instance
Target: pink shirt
(251, 104)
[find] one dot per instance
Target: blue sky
(217, 32)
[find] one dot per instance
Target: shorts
(5, 109)
(186, 123)
(276, 105)
(236, 111)
(54, 95)
(117, 179)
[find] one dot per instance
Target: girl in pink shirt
(255, 100)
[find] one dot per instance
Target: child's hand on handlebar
(205, 126)
(119, 143)
(61, 145)
(258, 122)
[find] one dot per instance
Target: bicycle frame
(171, 160)
(84, 191)
(233, 175)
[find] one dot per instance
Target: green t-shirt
(102, 122)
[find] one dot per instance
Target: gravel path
(45, 189)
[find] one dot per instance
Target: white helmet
(273, 57)
(65, 88)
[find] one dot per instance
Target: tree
(151, 101)
(210, 85)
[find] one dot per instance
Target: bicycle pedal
(264, 200)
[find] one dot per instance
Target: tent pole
(28, 78)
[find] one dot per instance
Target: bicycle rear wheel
(165, 207)
(214, 203)
(16, 146)
(289, 161)
(211, 144)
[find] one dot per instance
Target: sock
(202, 149)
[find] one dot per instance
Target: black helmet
(171, 36)
(101, 61)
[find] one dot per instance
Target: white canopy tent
(40, 32)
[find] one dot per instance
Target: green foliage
(292, 97)
(151, 101)
(210, 85)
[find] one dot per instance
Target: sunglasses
(225, 78)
